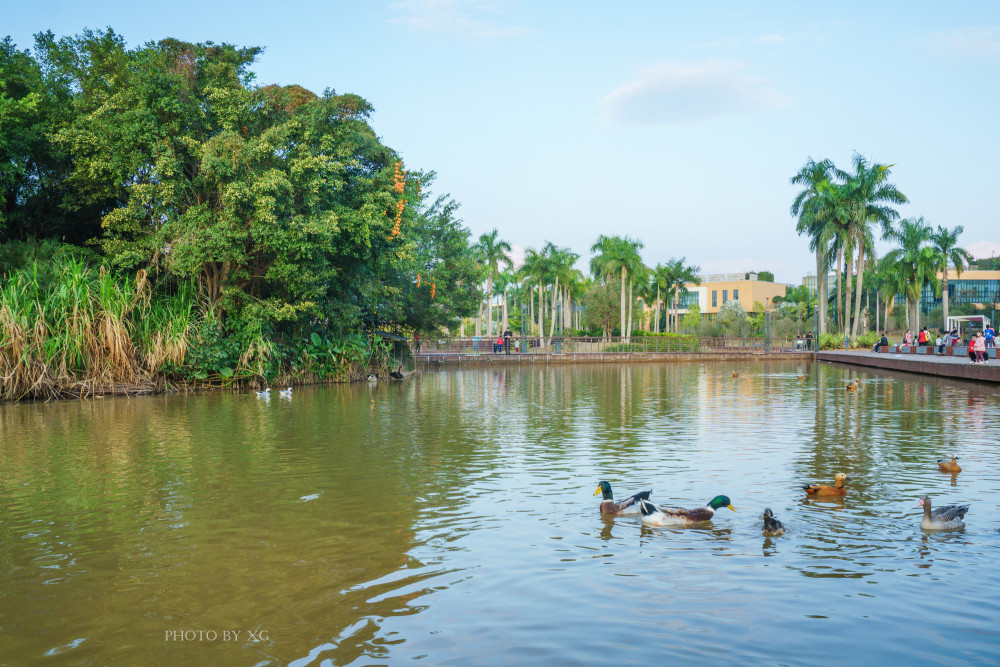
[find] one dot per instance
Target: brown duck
(949, 466)
(838, 488)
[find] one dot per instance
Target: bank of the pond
(959, 368)
(438, 360)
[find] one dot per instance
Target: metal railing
(596, 345)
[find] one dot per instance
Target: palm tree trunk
(531, 297)
(944, 295)
(656, 326)
(677, 327)
(505, 322)
(631, 300)
(848, 273)
(878, 324)
(821, 305)
(840, 287)
(622, 326)
(552, 325)
(857, 295)
(489, 304)
(541, 314)
(567, 308)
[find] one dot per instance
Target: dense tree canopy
(283, 207)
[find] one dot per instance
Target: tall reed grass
(66, 329)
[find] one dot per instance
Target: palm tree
(811, 175)
(945, 244)
(534, 271)
(615, 254)
(831, 216)
(680, 276)
(886, 281)
(917, 262)
(661, 281)
(493, 252)
(868, 197)
(637, 272)
(560, 263)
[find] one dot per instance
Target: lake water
(450, 519)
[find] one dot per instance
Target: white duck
(286, 393)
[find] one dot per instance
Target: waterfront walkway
(958, 367)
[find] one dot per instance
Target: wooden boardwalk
(958, 367)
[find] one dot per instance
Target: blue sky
(676, 123)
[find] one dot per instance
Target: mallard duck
(772, 527)
(837, 489)
(656, 515)
(942, 518)
(949, 466)
(626, 506)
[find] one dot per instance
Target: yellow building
(719, 289)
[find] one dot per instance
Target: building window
(725, 296)
(736, 295)
(715, 299)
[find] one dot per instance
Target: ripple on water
(452, 519)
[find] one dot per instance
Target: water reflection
(450, 518)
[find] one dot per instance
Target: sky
(675, 123)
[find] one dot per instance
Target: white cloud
(983, 249)
(459, 18)
(973, 42)
(677, 93)
(770, 39)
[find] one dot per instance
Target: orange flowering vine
(399, 178)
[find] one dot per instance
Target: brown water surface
(450, 518)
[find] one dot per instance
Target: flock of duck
(948, 517)
(265, 394)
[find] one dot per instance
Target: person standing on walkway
(908, 338)
(507, 336)
(809, 340)
(990, 336)
(981, 348)
(922, 337)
